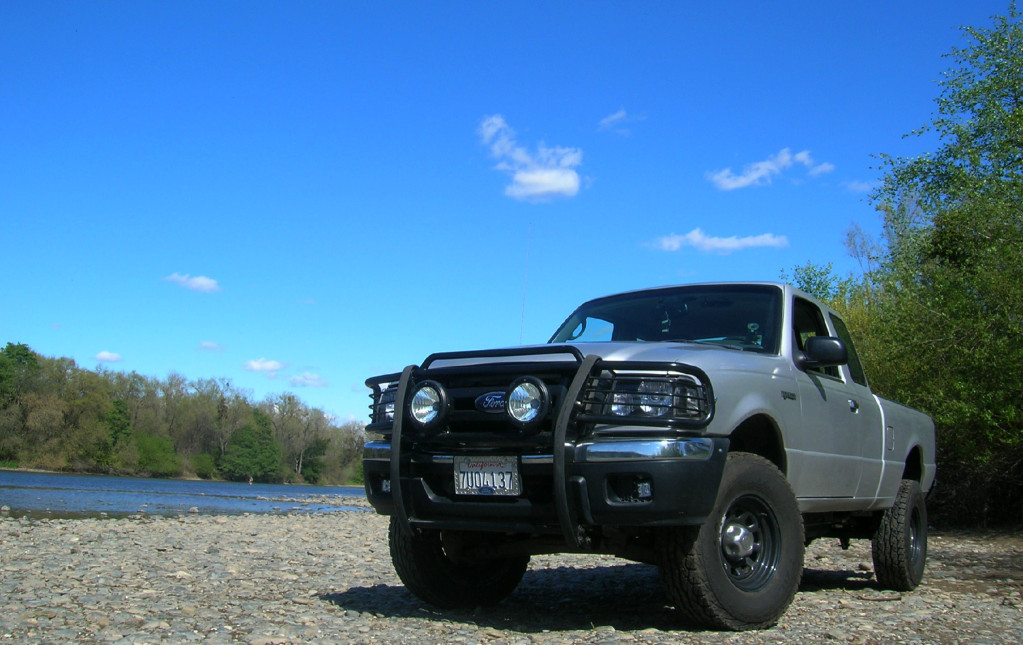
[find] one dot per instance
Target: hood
(710, 358)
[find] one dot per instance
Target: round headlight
(427, 403)
(528, 401)
(655, 397)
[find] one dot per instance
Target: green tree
(108, 448)
(301, 431)
(19, 372)
(156, 456)
(252, 452)
(204, 465)
(939, 309)
(56, 415)
(312, 465)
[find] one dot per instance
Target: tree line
(55, 415)
(937, 310)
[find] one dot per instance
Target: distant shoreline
(79, 473)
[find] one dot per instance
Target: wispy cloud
(307, 379)
(210, 346)
(699, 240)
(536, 176)
(108, 357)
(263, 365)
(760, 173)
(854, 186)
(616, 122)
(198, 283)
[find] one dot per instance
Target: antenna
(525, 283)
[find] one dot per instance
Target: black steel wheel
(899, 546)
(750, 542)
(739, 570)
(425, 568)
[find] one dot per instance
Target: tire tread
(889, 546)
(685, 565)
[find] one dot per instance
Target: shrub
(156, 456)
(204, 466)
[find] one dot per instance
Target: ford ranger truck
(712, 430)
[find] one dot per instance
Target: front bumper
(622, 482)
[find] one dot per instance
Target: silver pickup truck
(710, 429)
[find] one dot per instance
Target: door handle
(854, 406)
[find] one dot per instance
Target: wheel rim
(750, 543)
(916, 532)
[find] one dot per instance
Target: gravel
(327, 578)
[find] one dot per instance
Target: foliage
(356, 475)
(204, 465)
(312, 465)
(19, 370)
(252, 453)
(938, 311)
(157, 457)
(55, 415)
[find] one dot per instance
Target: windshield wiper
(707, 342)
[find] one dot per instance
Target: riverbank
(61, 495)
(184, 478)
(327, 578)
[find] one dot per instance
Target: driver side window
(808, 321)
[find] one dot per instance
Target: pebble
(327, 578)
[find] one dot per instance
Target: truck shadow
(834, 579)
(627, 597)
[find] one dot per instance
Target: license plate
(487, 476)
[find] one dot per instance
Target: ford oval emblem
(492, 402)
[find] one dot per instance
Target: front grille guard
(575, 408)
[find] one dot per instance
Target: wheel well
(759, 435)
(914, 468)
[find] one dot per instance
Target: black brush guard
(571, 413)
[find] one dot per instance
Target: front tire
(426, 570)
(899, 547)
(739, 570)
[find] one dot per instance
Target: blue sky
(299, 195)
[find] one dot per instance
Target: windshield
(741, 316)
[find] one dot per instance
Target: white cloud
(612, 120)
(855, 186)
(198, 283)
(263, 365)
(108, 357)
(309, 380)
(617, 121)
(535, 176)
(821, 169)
(760, 173)
(697, 239)
(210, 346)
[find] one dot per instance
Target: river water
(60, 495)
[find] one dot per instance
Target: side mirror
(823, 351)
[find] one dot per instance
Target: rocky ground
(327, 578)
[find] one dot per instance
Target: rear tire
(739, 570)
(899, 546)
(426, 570)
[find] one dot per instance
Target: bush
(156, 456)
(355, 475)
(204, 466)
(252, 453)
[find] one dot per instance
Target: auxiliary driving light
(528, 401)
(428, 403)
